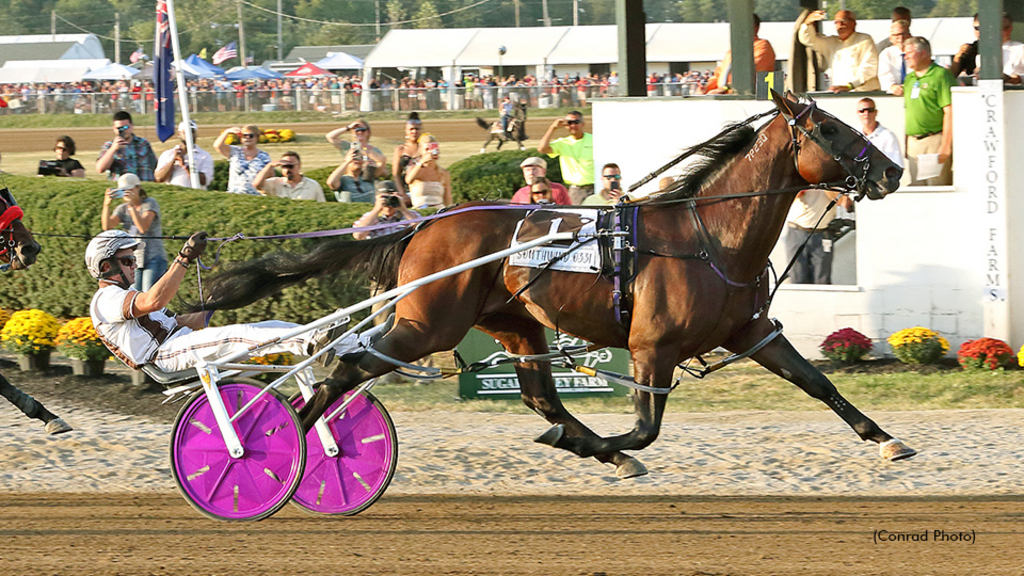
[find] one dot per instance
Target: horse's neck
(746, 230)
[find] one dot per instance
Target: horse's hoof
(552, 436)
(57, 426)
(895, 449)
(631, 468)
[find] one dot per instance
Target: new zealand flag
(162, 84)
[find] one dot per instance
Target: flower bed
(984, 353)
(918, 345)
(29, 332)
(78, 339)
(846, 346)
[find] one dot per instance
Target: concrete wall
(920, 254)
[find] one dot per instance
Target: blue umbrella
(243, 74)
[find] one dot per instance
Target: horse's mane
(711, 156)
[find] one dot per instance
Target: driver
(139, 330)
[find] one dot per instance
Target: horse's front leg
(523, 336)
(32, 408)
(780, 357)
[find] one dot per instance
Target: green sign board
(501, 382)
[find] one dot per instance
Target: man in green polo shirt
(575, 155)
(929, 112)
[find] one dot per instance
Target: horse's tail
(482, 123)
(249, 281)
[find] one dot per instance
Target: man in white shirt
(892, 68)
(139, 329)
(879, 136)
(173, 168)
(1013, 54)
(852, 57)
(292, 185)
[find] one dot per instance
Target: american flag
(226, 53)
(137, 55)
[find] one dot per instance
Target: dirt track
(108, 535)
(456, 130)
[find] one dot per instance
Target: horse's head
(18, 250)
(828, 151)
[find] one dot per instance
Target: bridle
(11, 212)
(857, 167)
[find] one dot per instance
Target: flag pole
(182, 89)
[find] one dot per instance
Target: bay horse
(18, 251)
(516, 129)
(701, 280)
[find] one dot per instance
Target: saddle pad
(582, 257)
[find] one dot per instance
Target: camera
(50, 168)
(392, 201)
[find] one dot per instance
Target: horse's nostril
(30, 249)
(893, 173)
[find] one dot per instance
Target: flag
(226, 53)
(249, 59)
(137, 55)
(202, 53)
(162, 74)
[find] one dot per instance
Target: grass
(748, 387)
(15, 121)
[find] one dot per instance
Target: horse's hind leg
(780, 357)
(524, 336)
(32, 408)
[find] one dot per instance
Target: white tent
(111, 72)
(582, 45)
(340, 61)
(22, 71)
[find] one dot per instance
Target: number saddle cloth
(596, 251)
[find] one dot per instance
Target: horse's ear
(783, 104)
(791, 96)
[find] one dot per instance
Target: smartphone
(118, 193)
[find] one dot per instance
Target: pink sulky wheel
(353, 480)
(254, 486)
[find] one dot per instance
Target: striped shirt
(134, 341)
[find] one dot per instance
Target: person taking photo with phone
(126, 153)
(173, 166)
(611, 180)
(293, 184)
(139, 216)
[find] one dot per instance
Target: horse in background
(702, 280)
(18, 251)
(516, 128)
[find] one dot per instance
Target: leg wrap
(27, 404)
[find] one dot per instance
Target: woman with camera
(139, 215)
(65, 165)
(429, 185)
(347, 181)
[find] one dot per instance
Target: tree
(427, 16)
(395, 13)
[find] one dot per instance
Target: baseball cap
(128, 181)
(386, 187)
(533, 161)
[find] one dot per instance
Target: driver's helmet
(104, 246)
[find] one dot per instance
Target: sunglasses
(863, 110)
(127, 261)
(247, 135)
(573, 122)
(544, 191)
(59, 148)
(977, 28)
(362, 129)
(613, 176)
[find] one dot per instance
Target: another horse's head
(18, 250)
(829, 151)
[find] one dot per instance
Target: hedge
(495, 174)
(60, 284)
